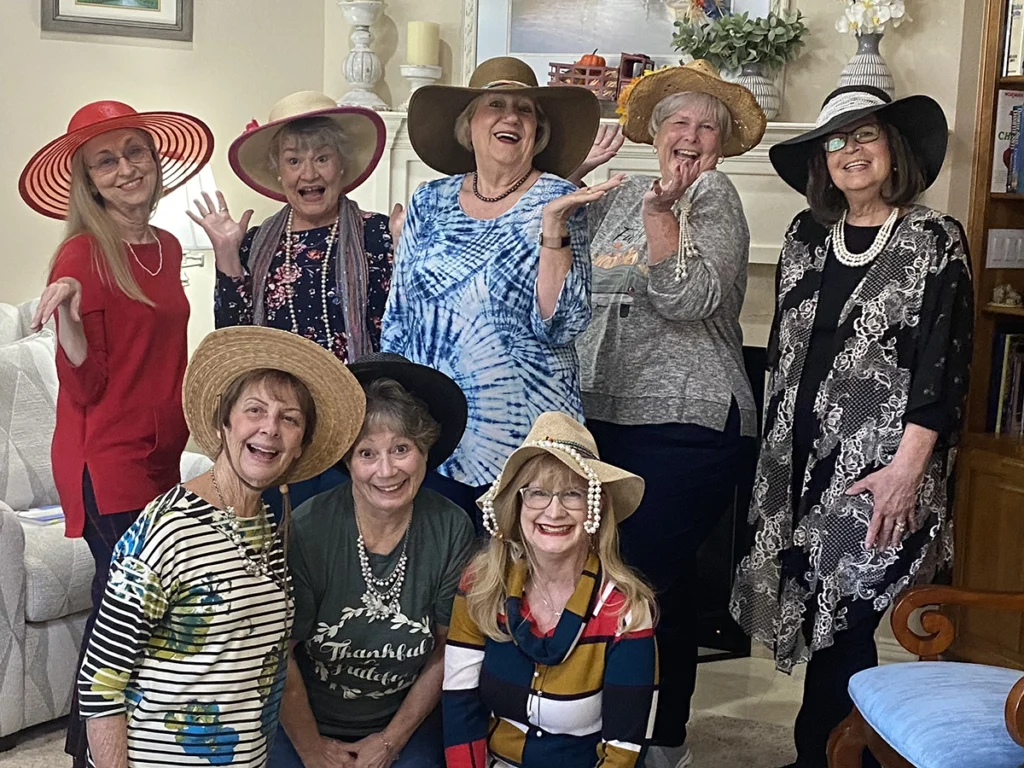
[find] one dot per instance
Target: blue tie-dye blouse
(464, 301)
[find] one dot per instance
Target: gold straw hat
(638, 100)
(572, 444)
(226, 354)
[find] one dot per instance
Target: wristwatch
(555, 242)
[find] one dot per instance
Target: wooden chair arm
(939, 627)
(1015, 712)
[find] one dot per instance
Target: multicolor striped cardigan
(582, 696)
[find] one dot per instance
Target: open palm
(224, 232)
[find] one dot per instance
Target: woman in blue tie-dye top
(491, 281)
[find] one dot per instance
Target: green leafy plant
(735, 40)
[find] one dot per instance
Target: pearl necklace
(289, 260)
(503, 195)
(160, 250)
(382, 595)
(259, 567)
(860, 259)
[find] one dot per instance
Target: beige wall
(245, 55)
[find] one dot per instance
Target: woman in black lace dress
(319, 267)
(869, 355)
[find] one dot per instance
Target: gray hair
(706, 106)
(391, 406)
(309, 133)
(464, 135)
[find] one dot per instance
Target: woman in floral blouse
(319, 267)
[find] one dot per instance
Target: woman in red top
(122, 320)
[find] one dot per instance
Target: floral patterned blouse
(190, 640)
(302, 283)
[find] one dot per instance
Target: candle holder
(362, 68)
(418, 75)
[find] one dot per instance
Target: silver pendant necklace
(382, 595)
(860, 259)
(160, 250)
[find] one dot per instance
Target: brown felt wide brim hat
(639, 99)
(574, 114)
(624, 488)
(226, 354)
(364, 130)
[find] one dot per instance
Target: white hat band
(847, 102)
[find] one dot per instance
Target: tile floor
(752, 689)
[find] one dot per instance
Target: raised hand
(224, 232)
(666, 192)
(606, 145)
(557, 212)
(64, 292)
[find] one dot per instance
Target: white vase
(754, 77)
(362, 68)
(867, 67)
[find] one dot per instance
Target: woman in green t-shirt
(375, 564)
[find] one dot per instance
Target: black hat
(442, 396)
(919, 118)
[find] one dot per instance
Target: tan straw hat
(249, 154)
(572, 444)
(226, 354)
(638, 100)
(574, 114)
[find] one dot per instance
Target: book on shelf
(1013, 56)
(1001, 151)
(1006, 388)
(1013, 176)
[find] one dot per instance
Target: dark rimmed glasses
(538, 498)
(863, 135)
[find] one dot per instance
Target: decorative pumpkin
(591, 60)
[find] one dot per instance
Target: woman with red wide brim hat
(122, 315)
(320, 267)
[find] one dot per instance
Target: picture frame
(155, 19)
(488, 30)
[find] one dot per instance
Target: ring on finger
(900, 525)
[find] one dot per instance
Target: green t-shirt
(357, 668)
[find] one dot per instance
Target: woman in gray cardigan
(665, 392)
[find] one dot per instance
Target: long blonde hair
(489, 571)
(87, 215)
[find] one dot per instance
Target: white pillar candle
(423, 43)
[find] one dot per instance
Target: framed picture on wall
(542, 31)
(163, 19)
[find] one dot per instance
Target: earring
(721, 160)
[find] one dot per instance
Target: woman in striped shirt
(187, 659)
(551, 658)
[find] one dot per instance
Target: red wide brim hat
(183, 143)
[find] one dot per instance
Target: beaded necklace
(254, 567)
(289, 261)
(382, 595)
(503, 195)
(860, 259)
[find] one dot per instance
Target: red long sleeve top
(119, 413)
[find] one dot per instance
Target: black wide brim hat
(919, 118)
(442, 396)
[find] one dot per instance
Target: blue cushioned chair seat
(940, 714)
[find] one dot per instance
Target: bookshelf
(989, 510)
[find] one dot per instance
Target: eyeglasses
(538, 498)
(137, 154)
(863, 135)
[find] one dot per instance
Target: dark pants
(101, 533)
(691, 474)
(425, 748)
(463, 495)
(826, 697)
